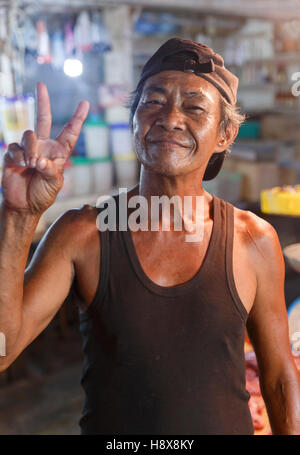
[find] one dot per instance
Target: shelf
(261, 9)
(260, 85)
(278, 58)
(274, 110)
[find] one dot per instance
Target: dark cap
(189, 56)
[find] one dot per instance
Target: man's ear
(226, 138)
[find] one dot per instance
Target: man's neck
(153, 184)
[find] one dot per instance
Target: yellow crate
(281, 200)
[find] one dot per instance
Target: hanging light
(73, 67)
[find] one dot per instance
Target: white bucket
(81, 176)
(120, 139)
(117, 114)
(96, 135)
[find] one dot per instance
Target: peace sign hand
(33, 170)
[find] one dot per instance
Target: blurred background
(95, 50)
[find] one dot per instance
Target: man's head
(183, 113)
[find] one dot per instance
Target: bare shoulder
(259, 235)
(253, 223)
(74, 229)
(79, 217)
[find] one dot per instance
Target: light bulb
(72, 67)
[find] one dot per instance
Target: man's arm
(32, 178)
(268, 331)
(29, 301)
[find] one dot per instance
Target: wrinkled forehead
(183, 84)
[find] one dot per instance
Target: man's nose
(171, 118)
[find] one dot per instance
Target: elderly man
(162, 319)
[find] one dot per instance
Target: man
(163, 327)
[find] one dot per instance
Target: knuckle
(15, 151)
(13, 146)
(28, 135)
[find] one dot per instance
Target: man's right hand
(33, 170)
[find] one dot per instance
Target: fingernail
(33, 162)
(42, 164)
(22, 163)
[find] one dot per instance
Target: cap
(190, 56)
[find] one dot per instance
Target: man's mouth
(168, 142)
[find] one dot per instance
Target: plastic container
(281, 200)
(81, 176)
(96, 136)
(249, 130)
(117, 114)
(102, 174)
(17, 115)
(120, 139)
(126, 169)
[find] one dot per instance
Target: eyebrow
(191, 94)
(195, 95)
(155, 88)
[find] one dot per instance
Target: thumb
(48, 168)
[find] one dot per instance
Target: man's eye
(195, 108)
(153, 102)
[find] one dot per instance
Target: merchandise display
(281, 200)
(17, 115)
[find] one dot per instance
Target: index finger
(44, 118)
(68, 136)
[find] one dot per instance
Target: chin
(164, 168)
(169, 161)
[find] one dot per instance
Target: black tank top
(165, 360)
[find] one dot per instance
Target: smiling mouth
(168, 142)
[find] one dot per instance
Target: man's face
(176, 123)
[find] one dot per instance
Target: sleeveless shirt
(165, 360)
